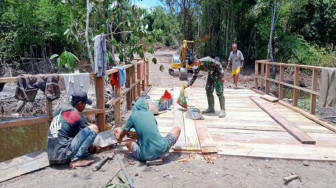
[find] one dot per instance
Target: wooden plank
(262, 73)
(117, 109)
(128, 85)
(147, 73)
(256, 74)
(277, 151)
(282, 73)
(23, 165)
(49, 108)
(100, 98)
(206, 142)
(314, 88)
(138, 80)
(111, 71)
(106, 138)
(27, 121)
(296, 83)
(269, 98)
(178, 121)
(309, 116)
(191, 136)
(289, 65)
(88, 112)
(289, 126)
(133, 83)
(293, 86)
(268, 71)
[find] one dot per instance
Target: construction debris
(99, 165)
(154, 162)
(124, 170)
(131, 162)
(290, 178)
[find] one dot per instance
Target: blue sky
(147, 3)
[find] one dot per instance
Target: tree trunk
(270, 47)
(227, 34)
(184, 18)
(87, 32)
(123, 33)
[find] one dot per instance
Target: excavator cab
(182, 64)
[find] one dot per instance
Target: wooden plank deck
(249, 131)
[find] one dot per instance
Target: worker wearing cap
(215, 81)
(70, 137)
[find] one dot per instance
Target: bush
(295, 49)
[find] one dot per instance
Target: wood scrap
(290, 178)
(289, 126)
(184, 159)
(269, 98)
(99, 165)
(155, 162)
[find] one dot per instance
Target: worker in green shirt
(215, 81)
(150, 144)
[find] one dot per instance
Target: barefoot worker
(150, 144)
(215, 80)
(237, 59)
(70, 137)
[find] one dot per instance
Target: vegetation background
(303, 31)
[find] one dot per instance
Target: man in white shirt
(237, 59)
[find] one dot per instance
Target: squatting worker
(237, 59)
(70, 137)
(150, 144)
(215, 80)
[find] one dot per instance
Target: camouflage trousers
(214, 82)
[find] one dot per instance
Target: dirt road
(164, 58)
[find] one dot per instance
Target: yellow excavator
(180, 62)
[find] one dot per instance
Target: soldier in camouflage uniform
(215, 81)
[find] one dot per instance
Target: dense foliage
(304, 32)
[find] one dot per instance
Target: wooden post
(128, 94)
(314, 88)
(268, 70)
(117, 114)
(282, 72)
(262, 73)
(256, 74)
(143, 81)
(100, 98)
(49, 108)
(147, 73)
(133, 81)
(138, 79)
(296, 83)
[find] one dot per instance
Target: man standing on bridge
(237, 59)
(215, 81)
(70, 137)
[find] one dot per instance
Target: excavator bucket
(183, 73)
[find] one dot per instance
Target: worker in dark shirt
(70, 137)
(215, 81)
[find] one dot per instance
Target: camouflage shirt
(208, 65)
